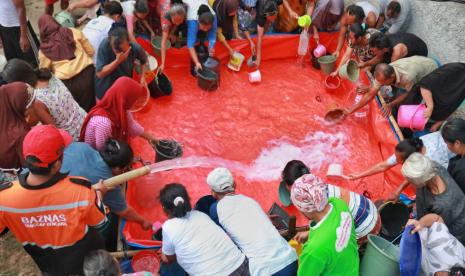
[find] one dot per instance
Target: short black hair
(408, 146)
(141, 6)
(113, 8)
(167, 198)
(206, 17)
(293, 170)
(270, 7)
(116, 37)
(379, 41)
(30, 160)
(117, 154)
(454, 130)
(358, 29)
(394, 7)
(385, 69)
(357, 11)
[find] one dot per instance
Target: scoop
(334, 115)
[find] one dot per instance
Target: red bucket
(146, 261)
(332, 83)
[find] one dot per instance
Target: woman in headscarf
(436, 192)
(15, 99)
(54, 103)
(68, 54)
(226, 13)
(443, 91)
(111, 117)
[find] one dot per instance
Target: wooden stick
(122, 178)
(391, 118)
(129, 253)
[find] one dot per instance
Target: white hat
(418, 169)
(221, 180)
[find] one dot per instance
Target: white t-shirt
(193, 8)
(251, 229)
(436, 150)
(8, 14)
(201, 247)
(97, 30)
(128, 7)
(363, 210)
(367, 8)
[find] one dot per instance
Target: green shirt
(331, 248)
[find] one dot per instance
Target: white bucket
(335, 170)
(255, 76)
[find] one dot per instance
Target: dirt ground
(13, 259)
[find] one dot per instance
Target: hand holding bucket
(255, 76)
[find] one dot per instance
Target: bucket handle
(413, 116)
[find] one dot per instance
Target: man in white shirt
(250, 228)
(97, 29)
(16, 32)
(394, 16)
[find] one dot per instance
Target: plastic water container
(362, 112)
(303, 43)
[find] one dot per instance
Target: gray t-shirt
(450, 205)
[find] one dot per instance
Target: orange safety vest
(53, 215)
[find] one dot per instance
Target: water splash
(315, 150)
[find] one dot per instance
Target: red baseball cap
(46, 143)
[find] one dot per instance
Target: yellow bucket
(297, 246)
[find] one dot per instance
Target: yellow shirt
(67, 69)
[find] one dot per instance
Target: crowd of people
(66, 121)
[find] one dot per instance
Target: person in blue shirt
(80, 159)
(200, 16)
(116, 57)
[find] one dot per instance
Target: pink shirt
(99, 130)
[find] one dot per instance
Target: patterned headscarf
(309, 194)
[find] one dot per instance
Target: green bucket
(156, 44)
(381, 258)
(327, 63)
(349, 71)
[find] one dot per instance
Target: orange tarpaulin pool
(260, 126)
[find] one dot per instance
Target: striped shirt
(363, 210)
(99, 130)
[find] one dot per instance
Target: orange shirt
(55, 214)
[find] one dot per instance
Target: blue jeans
(290, 270)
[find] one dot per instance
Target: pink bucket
(411, 116)
(319, 51)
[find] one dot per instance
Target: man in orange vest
(49, 213)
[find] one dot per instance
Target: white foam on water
(314, 150)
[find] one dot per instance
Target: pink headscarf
(309, 194)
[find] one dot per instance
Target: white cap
(221, 180)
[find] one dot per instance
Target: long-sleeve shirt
(99, 130)
(67, 69)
